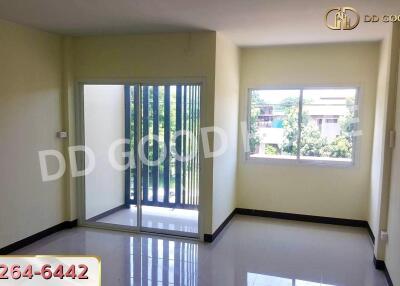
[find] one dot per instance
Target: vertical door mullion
(178, 145)
(184, 146)
(127, 109)
(196, 202)
(167, 141)
(191, 100)
(189, 164)
(138, 125)
(189, 191)
(136, 136)
(145, 122)
(154, 171)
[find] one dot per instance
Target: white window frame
(298, 160)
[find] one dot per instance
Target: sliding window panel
(329, 123)
(273, 124)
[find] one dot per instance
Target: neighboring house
(323, 111)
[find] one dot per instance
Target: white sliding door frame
(80, 140)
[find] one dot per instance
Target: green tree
(339, 148)
(342, 147)
(256, 103)
(271, 150)
(291, 130)
(313, 144)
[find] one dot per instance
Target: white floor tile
(249, 252)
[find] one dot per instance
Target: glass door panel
(169, 156)
(106, 200)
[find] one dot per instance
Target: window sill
(303, 161)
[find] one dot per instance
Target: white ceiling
(246, 22)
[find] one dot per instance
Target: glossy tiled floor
(250, 252)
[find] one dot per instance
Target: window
(303, 124)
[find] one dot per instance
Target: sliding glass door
(159, 126)
(164, 138)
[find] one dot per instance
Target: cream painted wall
(157, 56)
(392, 247)
(226, 117)
(311, 190)
(30, 116)
(104, 125)
(379, 138)
(68, 119)
(382, 153)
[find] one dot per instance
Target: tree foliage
(255, 112)
(313, 144)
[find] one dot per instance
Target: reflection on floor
(255, 279)
(250, 252)
(156, 217)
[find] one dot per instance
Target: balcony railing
(165, 110)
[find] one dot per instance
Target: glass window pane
(273, 128)
(328, 123)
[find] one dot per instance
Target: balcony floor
(182, 220)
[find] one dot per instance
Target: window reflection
(162, 262)
(308, 283)
(254, 279)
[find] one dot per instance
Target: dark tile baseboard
(31, 239)
(371, 233)
(109, 212)
(212, 237)
(291, 216)
(301, 217)
(381, 265)
(309, 218)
